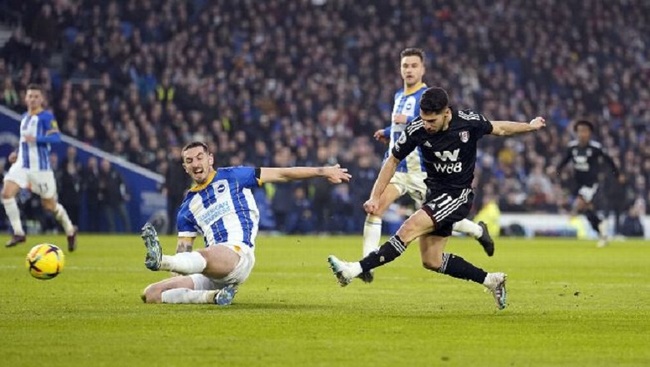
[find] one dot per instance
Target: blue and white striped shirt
(406, 102)
(43, 126)
(223, 209)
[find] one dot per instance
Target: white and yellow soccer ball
(45, 261)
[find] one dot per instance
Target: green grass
(569, 304)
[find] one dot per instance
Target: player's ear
(211, 159)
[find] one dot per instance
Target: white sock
(184, 263)
(186, 295)
(61, 216)
(371, 234)
(11, 208)
(356, 268)
(468, 227)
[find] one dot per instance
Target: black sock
(593, 219)
(388, 252)
(457, 267)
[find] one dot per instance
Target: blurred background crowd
(307, 82)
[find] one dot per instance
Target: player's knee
(49, 205)
(6, 195)
(432, 264)
(407, 232)
(151, 294)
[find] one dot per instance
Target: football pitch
(568, 304)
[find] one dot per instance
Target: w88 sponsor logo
(449, 168)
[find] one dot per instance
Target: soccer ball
(44, 261)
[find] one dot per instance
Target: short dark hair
(586, 123)
(412, 51)
(434, 100)
(33, 86)
(195, 144)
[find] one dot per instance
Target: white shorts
(41, 183)
(588, 192)
(412, 184)
(235, 277)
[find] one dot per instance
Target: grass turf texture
(569, 304)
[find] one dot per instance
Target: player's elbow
(500, 132)
(392, 161)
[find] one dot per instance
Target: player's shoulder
(189, 194)
(467, 115)
(415, 127)
(236, 173)
(573, 143)
(423, 88)
(233, 170)
(595, 144)
(46, 114)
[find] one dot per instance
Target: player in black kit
(447, 139)
(587, 157)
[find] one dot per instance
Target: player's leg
(372, 226)
(13, 181)
(478, 231)
(153, 292)
(417, 224)
(197, 289)
(584, 205)
(213, 261)
(434, 258)
(44, 185)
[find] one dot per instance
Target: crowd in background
(284, 82)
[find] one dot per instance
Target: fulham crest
(464, 136)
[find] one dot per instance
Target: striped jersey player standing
(221, 208)
(411, 173)
(31, 168)
(448, 141)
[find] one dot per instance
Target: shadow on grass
(278, 306)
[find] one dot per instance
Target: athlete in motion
(587, 157)
(31, 168)
(448, 140)
(220, 207)
(411, 173)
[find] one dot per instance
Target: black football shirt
(449, 156)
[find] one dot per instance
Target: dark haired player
(410, 173)
(221, 208)
(447, 139)
(587, 156)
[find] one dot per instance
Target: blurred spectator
(114, 197)
(632, 226)
(298, 76)
(342, 210)
(490, 214)
(69, 181)
(176, 184)
(9, 96)
(300, 219)
(93, 195)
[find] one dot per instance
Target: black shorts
(447, 208)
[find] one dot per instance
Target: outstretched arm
(334, 174)
(386, 173)
(508, 128)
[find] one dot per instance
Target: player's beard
(200, 177)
